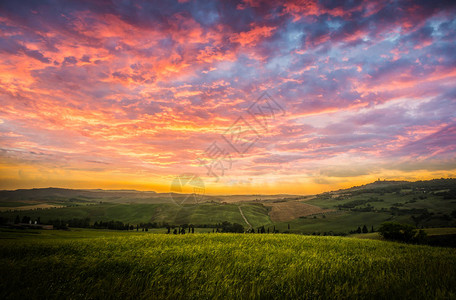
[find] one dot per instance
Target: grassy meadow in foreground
(101, 264)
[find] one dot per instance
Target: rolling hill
(423, 203)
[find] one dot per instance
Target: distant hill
(123, 196)
(379, 183)
(430, 203)
(59, 193)
(433, 184)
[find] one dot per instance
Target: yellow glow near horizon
(29, 176)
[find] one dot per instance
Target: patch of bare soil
(290, 210)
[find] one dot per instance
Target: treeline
(397, 232)
(224, 227)
(406, 233)
(118, 225)
(64, 224)
(262, 229)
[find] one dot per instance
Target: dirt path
(245, 219)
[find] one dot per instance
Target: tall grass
(223, 266)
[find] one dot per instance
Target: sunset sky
(130, 94)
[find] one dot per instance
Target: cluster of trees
(223, 227)
(219, 227)
(451, 194)
(422, 218)
(226, 226)
(150, 225)
(362, 230)
(358, 202)
(232, 227)
(75, 222)
(181, 229)
(425, 216)
(26, 219)
(115, 225)
(402, 233)
(118, 225)
(262, 229)
(404, 211)
(64, 224)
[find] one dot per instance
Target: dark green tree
(397, 232)
(421, 237)
(365, 230)
(453, 213)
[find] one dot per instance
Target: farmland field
(422, 204)
(85, 264)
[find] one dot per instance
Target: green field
(84, 264)
(429, 231)
(422, 204)
(206, 213)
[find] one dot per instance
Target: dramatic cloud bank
(129, 94)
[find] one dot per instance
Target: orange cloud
(253, 36)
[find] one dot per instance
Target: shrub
(402, 232)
